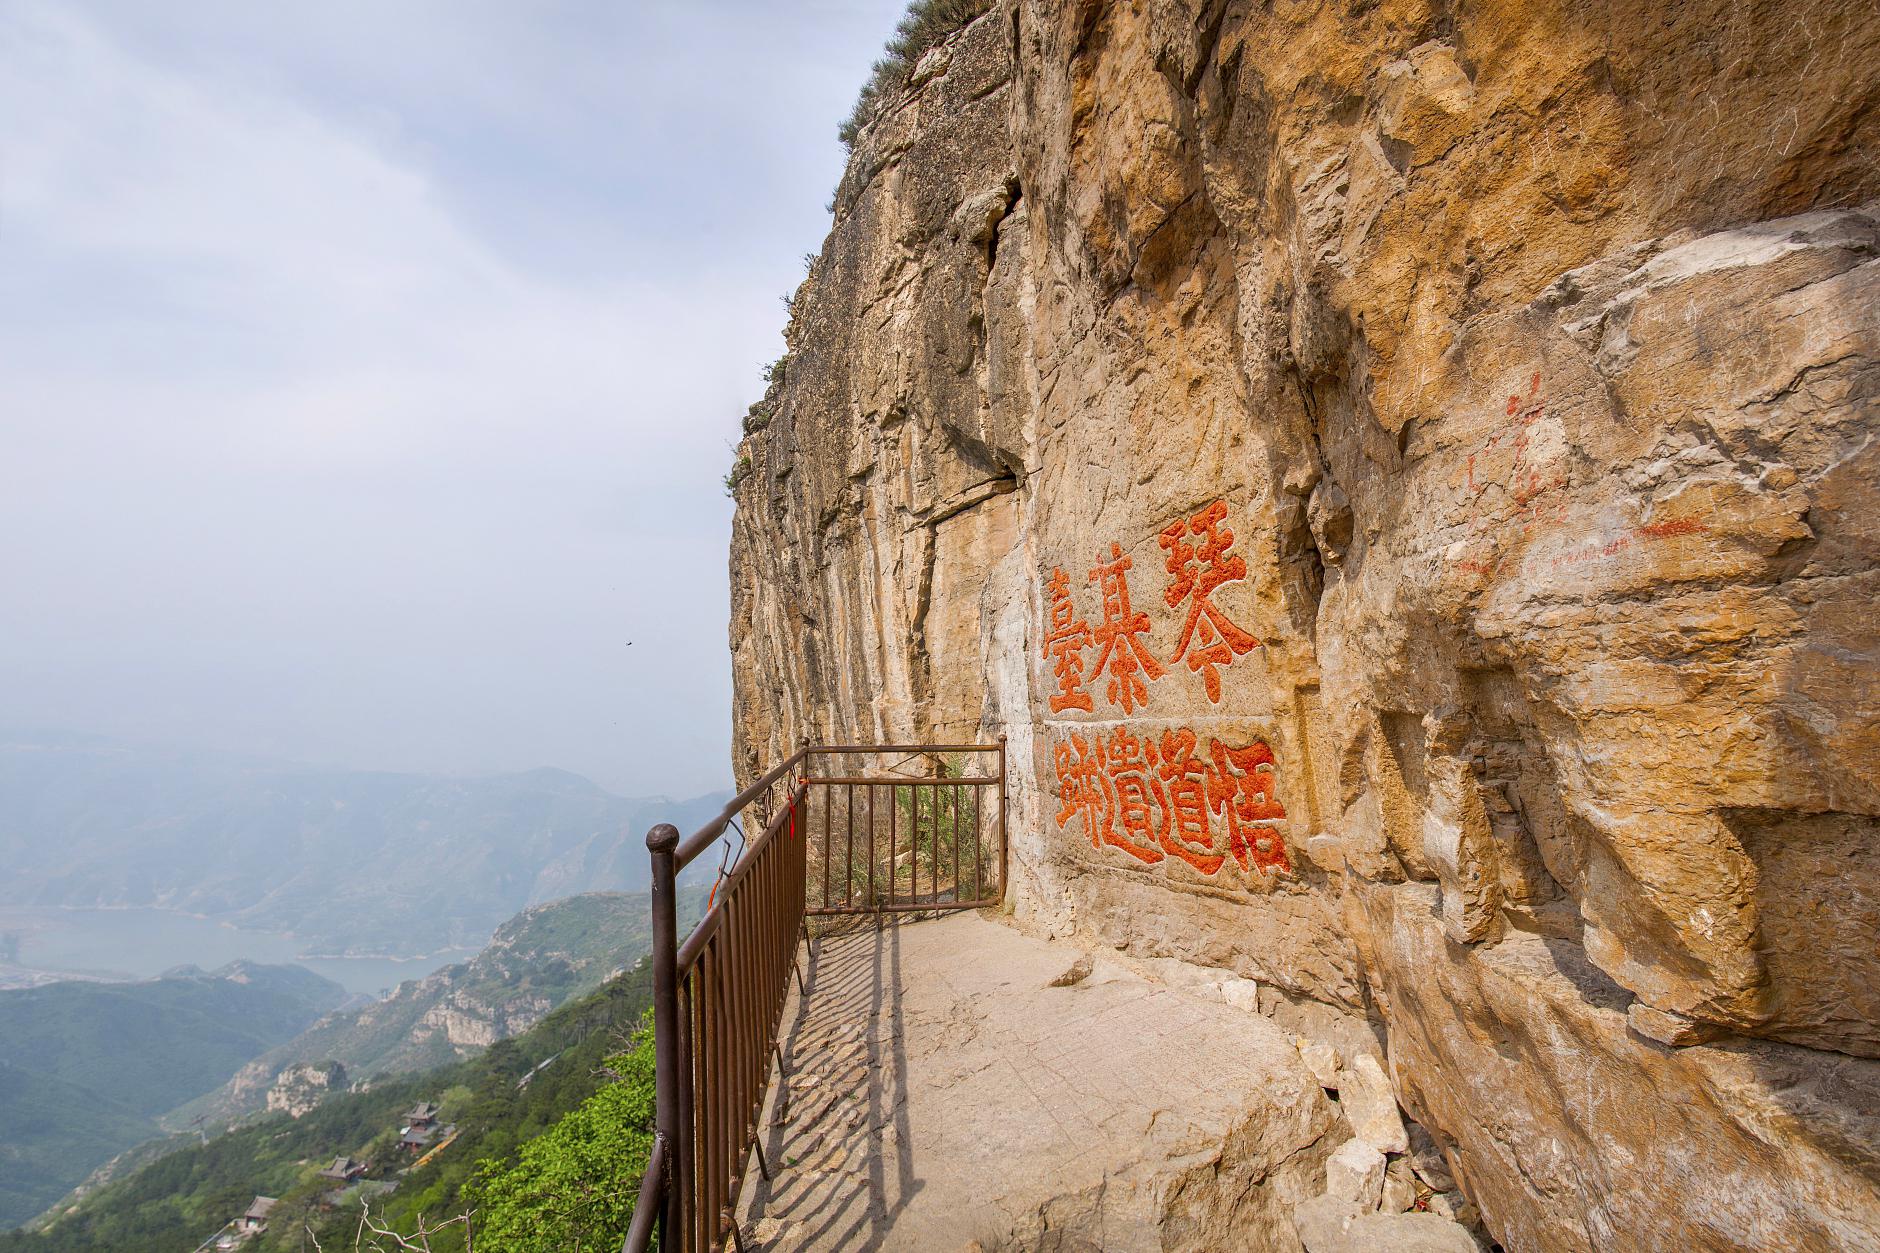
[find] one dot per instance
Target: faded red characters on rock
(1526, 491)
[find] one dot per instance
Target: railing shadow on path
(842, 1126)
(721, 995)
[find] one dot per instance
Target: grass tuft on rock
(924, 26)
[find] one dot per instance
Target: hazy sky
(367, 369)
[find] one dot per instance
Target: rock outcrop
(539, 959)
(1403, 478)
(300, 1087)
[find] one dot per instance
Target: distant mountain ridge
(86, 1067)
(348, 862)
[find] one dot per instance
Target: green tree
(572, 1188)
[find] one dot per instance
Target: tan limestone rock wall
(1403, 477)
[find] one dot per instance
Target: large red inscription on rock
(1171, 794)
(1157, 798)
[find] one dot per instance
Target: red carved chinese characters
(1087, 789)
(1064, 642)
(1187, 835)
(1241, 782)
(1082, 789)
(1153, 801)
(1121, 655)
(1209, 639)
(1140, 803)
(1159, 798)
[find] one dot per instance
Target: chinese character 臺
(1065, 639)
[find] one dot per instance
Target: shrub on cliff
(923, 27)
(574, 1186)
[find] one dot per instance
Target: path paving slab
(956, 1082)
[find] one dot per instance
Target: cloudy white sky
(367, 368)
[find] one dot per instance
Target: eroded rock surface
(299, 1088)
(1403, 477)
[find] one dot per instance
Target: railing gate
(925, 833)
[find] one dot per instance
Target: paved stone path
(955, 1081)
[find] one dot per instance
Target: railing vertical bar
(1002, 839)
(733, 974)
(741, 1036)
(662, 841)
(712, 1018)
(848, 865)
(764, 943)
(681, 1153)
(749, 935)
(731, 971)
(871, 845)
(979, 795)
(825, 846)
(708, 1091)
(933, 841)
(894, 823)
(956, 842)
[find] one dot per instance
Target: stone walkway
(955, 1082)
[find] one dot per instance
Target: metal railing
(718, 996)
(893, 841)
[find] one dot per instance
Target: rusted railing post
(662, 841)
(1002, 839)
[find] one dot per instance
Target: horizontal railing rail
(906, 841)
(719, 994)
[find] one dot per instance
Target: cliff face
(1403, 477)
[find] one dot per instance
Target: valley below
(189, 941)
(40, 945)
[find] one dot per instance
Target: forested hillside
(86, 1068)
(547, 1105)
(535, 962)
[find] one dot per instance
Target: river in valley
(37, 944)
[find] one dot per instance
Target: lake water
(142, 943)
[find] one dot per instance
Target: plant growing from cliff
(924, 26)
(740, 470)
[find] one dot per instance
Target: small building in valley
(345, 1170)
(254, 1220)
(420, 1128)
